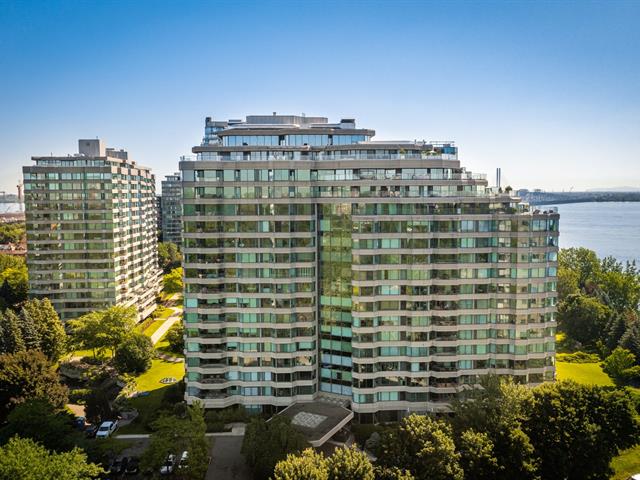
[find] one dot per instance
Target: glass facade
(385, 276)
(91, 233)
(171, 206)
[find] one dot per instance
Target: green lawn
(150, 330)
(163, 312)
(588, 373)
(626, 464)
(163, 346)
(150, 382)
(88, 353)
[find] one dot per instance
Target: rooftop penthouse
(319, 140)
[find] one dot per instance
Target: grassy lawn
(626, 464)
(588, 373)
(150, 330)
(163, 346)
(163, 313)
(150, 382)
(88, 353)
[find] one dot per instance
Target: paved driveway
(227, 462)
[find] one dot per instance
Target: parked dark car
(133, 466)
(79, 423)
(90, 431)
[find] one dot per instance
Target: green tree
(620, 285)
(134, 354)
(12, 232)
(577, 429)
(10, 261)
(308, 465)
(104, 329)
(174, 435)
(28, 331)
(584, 262)
(52, 337)
(24, 459)
(172, 281)
(583, 318)
(349, 464)
(14, 286)
(169, 256)
(568, 283)
(28, 375)
(477, 456)
(498, 407)
(267, 443)
(616, 328)
(631, 339)
(175, 337)
(616, 364)
(38, 420)
(392, 473)
(11, 338)
(423, 446)
(97, 406)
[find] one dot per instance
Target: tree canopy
(422, 445)
(577, 429)
(169, 256)
(173, 435)
(24, 459)
(105, 329)
(172, 281)
(28, 375)
(344, 464)
(38, 420)
(267, 443)
(134, 354)
(598, 301)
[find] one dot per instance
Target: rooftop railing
(324, 156)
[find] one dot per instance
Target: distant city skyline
(546, 91)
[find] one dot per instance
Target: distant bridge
(545, 198)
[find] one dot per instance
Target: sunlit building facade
(171, 205)
(319, 262)
(91, 231)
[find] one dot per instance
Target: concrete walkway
(168, 323)
(237, 430)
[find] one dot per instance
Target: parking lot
(227, 462)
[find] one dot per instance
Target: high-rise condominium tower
(91, 231)
(321, 263)
(171, 202)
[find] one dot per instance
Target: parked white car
(184, 460)
(106, 429)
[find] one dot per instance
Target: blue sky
(549, 91)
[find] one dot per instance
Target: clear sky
(549, 91)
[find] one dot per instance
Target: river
(608, 228)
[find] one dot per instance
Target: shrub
(362, 432)
(578, 357)
(175, 337)
(79, 395)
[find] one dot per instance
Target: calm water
(608, 228)
(10, 207)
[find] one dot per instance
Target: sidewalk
(237, 430)
(168, 323)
